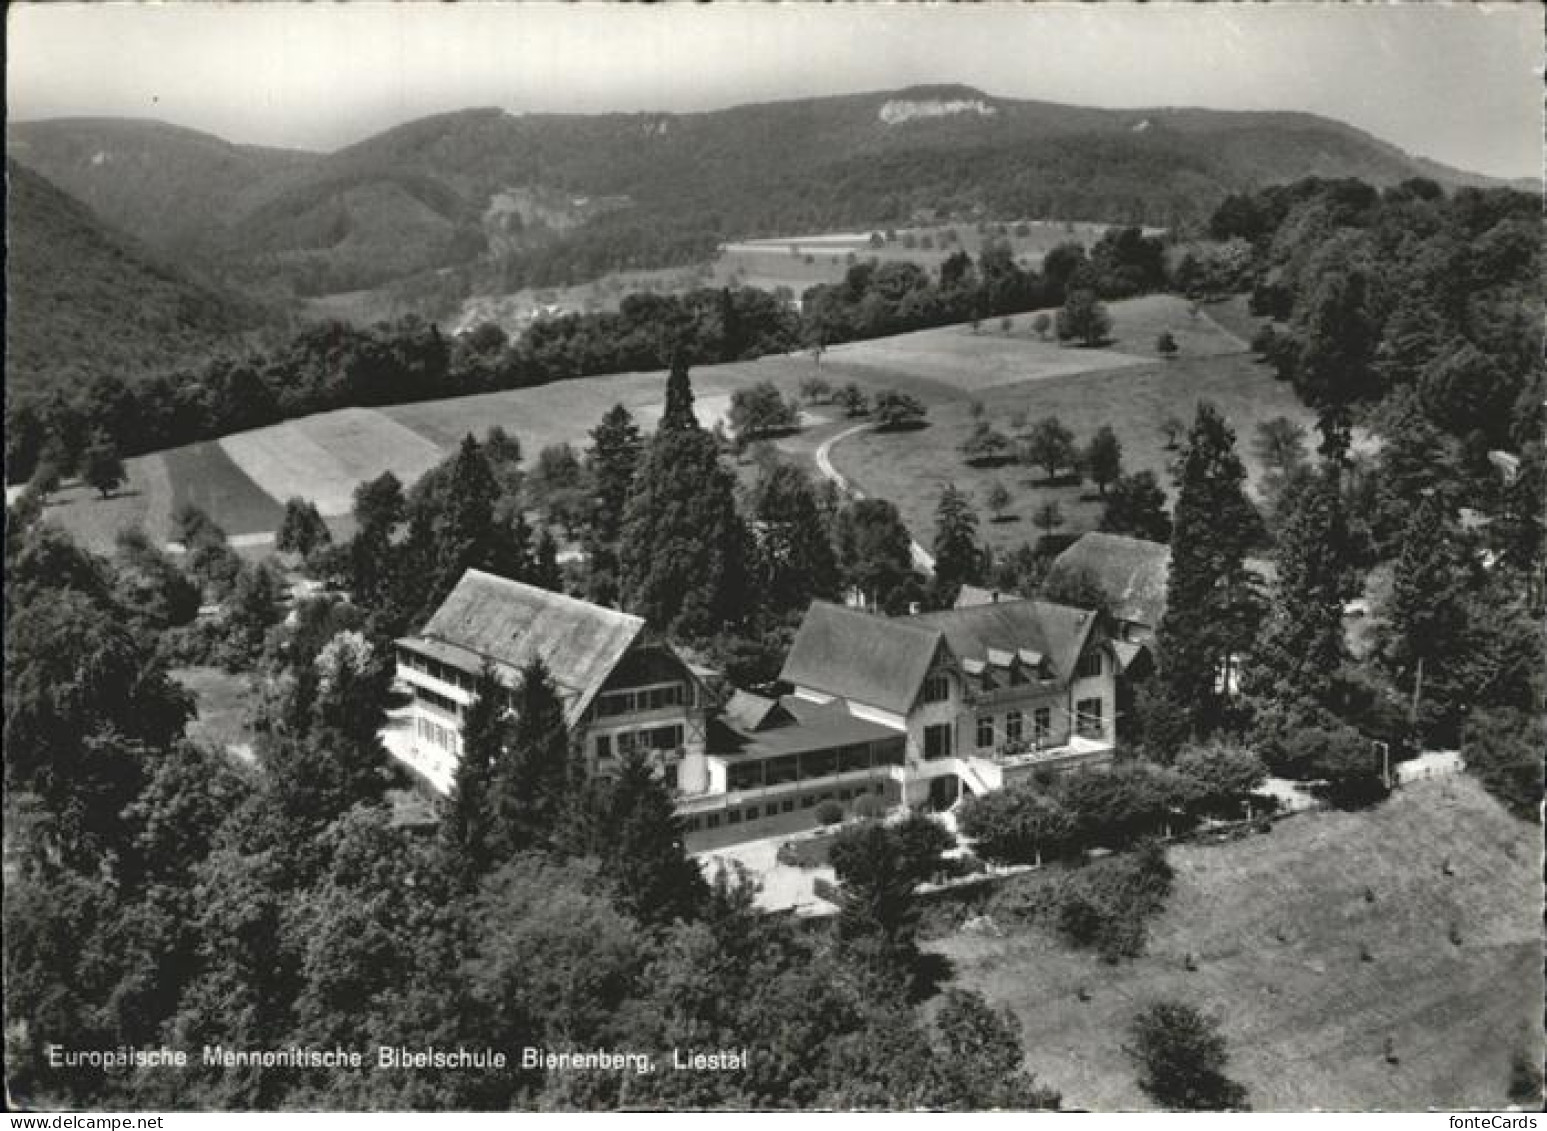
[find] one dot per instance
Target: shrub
(1182, 1058)
(868, 807)
(829, 812)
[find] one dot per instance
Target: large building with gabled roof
(903, 710)
(622, 686)
(981, 694)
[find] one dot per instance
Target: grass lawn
(1304, 1017)
(324, 457)
(223, 701)
(144, 501)
(910, 468)
(204, 475)
(568, 410)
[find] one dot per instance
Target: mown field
(1080, 387)
(1306, 1019)
(243, 480)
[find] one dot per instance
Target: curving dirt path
(922, 558)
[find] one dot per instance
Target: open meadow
(951, 367)
(243, 480)
(324, 457)
(1276, 924)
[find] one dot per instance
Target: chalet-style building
(1131, 572)
(622, 687)
(907, 710)
(982, 695)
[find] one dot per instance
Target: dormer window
(937, 688)
(1090, 665)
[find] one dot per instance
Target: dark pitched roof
(510, 623)
(995, 632)
(1130, 571)
(877, 661)
(804, 726)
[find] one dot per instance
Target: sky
(1461, 83)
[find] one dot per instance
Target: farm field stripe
(204, 475)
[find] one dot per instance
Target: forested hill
(84, 299)
(649, 189)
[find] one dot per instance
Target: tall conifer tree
(1212, 608)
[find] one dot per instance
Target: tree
(980, 1055)
(100, 465)
(1041, 324)
(302, 530)
(684, 550)
(1083, 317)
(761, 411)
(462, 518)
(1337, 331)
(1078, 588)
(1301, 649)
(1501, 748)
(896, 411)
(1225, 774)
(795, 559)
(532, 777)
(466, 828)
(1104, 458)
(254, 608)
(1212, 608)
(1182, 1059)
(613, 460)
(1136, 506)
(1048, 518)
(1050, 445)
(1017, 825)
(1427, 616)
(956, 539)
(998, 500)
(817, 390)
(875, 553)
(852, 400)
(985, 445)
(877, 919)
(641, 850)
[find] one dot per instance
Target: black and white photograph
(774, 557)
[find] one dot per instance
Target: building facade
(908, 711)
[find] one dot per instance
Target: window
(604, 746)
(985, 731)
(818, 763)
(808, 801)
(787, 805)
(1090, 665)
(937, 688)
(890, 752)
(1042, 723)
(1088, 718)
(743, 775)
(752, 812)
(1012, 726)
(733, 817)
(640, 699)
(712, 820)
(937, 741)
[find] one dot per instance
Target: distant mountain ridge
(417, 197)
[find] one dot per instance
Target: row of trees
(333, 365)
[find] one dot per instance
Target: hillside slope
(83, 299)
(644, 189)
(1439, 886)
